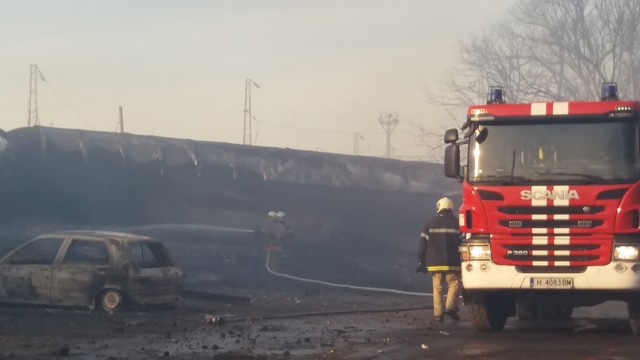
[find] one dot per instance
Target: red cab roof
(553, 108)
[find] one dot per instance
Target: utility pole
(120, 127)
(248, 117)
(356, 143)
(388, 121)
(35, 73)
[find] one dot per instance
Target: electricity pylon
(35, 73)
(356, 143)
(388, 121)
(248, 117)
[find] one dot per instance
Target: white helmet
(280, 214)
(271, 213)
(444, 204)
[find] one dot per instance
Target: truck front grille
(551, 251)
(559, 227)
(551, 236)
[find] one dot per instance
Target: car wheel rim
(111, 300)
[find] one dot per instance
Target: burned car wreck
(90, 269)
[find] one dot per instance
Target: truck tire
(489, 316)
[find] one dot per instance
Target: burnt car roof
(120, 236)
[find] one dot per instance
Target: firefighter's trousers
(453, 291)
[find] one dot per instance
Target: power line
(306, 129)
(309, 114)
(34, 119)
(299, 128)
(69, 104)
(389, 121)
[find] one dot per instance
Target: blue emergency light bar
(609, 91)
(495, 95)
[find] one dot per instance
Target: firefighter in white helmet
(276, 230)
(438, 254)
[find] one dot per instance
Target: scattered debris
(213, 319)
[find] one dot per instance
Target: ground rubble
(273, 325)
(291, 325)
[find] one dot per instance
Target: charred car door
(81, 273)
(25, 273)
(156, 277)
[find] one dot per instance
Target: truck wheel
(488, 317)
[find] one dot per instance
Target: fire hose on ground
(344, 286)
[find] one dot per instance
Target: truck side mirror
(452, 161)
(451, 136)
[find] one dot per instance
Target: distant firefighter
(276, 230)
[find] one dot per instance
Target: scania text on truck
(550, 207)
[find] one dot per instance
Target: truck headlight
(475, 252)
(625, 253)
(479, 252)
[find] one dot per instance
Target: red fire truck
(550, 207)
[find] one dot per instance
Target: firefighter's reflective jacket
(439, 242)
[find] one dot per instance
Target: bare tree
(544, 50)
(552, 50)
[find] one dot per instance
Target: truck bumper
(487, 275)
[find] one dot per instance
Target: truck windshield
(545, 152)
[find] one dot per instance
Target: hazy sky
(326, 69)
